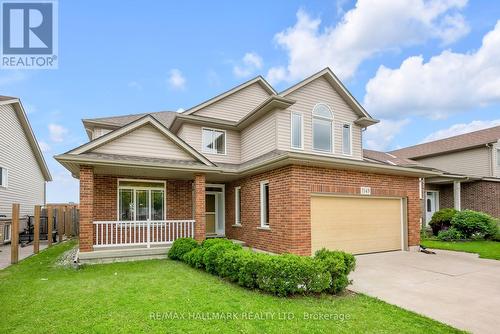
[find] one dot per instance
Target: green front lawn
(38, 297)
(485, 249)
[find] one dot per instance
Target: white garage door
(356, 224)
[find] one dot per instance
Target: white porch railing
(141, 233)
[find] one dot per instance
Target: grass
(485, 249)
(37, 296)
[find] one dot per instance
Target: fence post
(36, 231)
(148, 236)
(60, 223)
(67, 219)
(14, 238)
(50, 222)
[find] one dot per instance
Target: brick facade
(290, 191)
(86, 208)
(478, 196)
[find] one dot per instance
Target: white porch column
(456, 195)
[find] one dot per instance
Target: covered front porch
(139, 215)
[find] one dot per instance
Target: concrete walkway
(452, 287)
(24, 252)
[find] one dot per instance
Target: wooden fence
(53, 223)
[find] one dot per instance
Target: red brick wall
(290, 191)
(199, 202)
(86, 208)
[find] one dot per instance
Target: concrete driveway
(452, 287)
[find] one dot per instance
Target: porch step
(239, 242)
(122, 255)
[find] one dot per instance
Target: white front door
(431, 205)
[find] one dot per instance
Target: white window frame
(164, 188)
(350, 139)
(498, 157)
(237, 206)
(301, 147)
(214, 151)
(332, 123)
(5, 178)
(7, 231)
(263, 204)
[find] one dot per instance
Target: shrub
(241, 266)
(450, 234)
(194, 257)
(339, 264)
(289, 274)
(180, 247)
(472, 223)
(213, 250)
(441, 220)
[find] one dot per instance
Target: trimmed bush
(281, 275)
(194, 257)
(451, 234)
(475, 224)
(441, 220)
(339, 264)
(180, 247)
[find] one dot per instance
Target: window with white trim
(322, 128)
(237, 205)
(346, 139)
(213, 141)
(3, 177)
(297, 128)
(264, 204)
(141, 200)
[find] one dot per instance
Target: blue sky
(420, 66)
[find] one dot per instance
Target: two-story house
(472, 165)
(23, 171)
(281, 172)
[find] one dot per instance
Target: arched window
(322, 128)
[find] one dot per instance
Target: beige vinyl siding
(496, 159)
(98, 132)
(26, 184)
(234, 107)
(474, 162)
(319, 91)
(145, 141)
(191, 134)
(259, 137)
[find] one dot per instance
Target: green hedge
(281, 275)
(180, 247)
(441, 220)
(473, 224)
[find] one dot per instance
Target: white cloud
(461, 128)
(371, 27)
(57, 132)
(44, 146)
(379, 136)
(134, 85)
(448, 83)
(176, 80)
(250, 63)
(180, 110)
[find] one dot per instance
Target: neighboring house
(23, 171)
(472, 165)
(282, 172)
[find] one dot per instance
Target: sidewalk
(24, 252)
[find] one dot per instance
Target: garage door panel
(356, 224)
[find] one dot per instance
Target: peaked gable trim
(30, 135)
(148, 119)
(260, 80)
(328, 74)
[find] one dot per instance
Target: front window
(264, 204)
(346, 139)
(297, 128)
(141, 200)
(214, 141)
(322, 128)
(237, 205)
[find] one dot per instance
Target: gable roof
(30, 135)
(388, 158)
(451, 144)
(146, 119)
(365, 118)
(259, 79)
